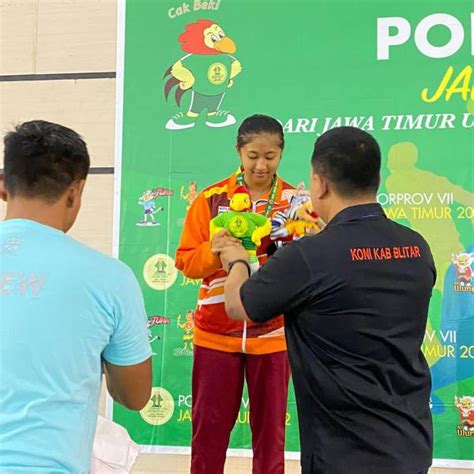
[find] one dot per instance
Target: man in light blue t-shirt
(66, 311)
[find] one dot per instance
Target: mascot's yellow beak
(225, 45)
(240, 202)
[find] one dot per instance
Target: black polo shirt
(355, 299)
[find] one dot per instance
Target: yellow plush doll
(299, 220)
(247, 226)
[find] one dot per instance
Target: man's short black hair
(42, 159)
(349, 158)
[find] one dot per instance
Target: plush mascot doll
(247, 226)
(297, 221)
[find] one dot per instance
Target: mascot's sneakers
(148, 224)
(220, 119)
(180, 122)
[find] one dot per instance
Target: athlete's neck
(257, 190)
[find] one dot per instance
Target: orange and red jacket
(213, 328)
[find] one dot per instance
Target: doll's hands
(257, 236)
(260, 233)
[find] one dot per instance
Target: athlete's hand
(222, 239)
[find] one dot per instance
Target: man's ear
(75, 192)
(320, 185)
(3, 189)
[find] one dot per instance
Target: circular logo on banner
(159, 272)
(238, 226)
(160, 408)
(217, 74)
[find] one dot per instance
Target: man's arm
(129, 385)
(280, 286)
(127, 356)
(237, 277)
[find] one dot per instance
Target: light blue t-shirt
(62, 307)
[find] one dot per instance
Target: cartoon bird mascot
(247, 226)
(206, 71)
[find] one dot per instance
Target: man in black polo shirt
(355, 299)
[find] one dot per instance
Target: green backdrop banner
(400, 70)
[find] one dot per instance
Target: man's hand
(233, 251)
(222, 239)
